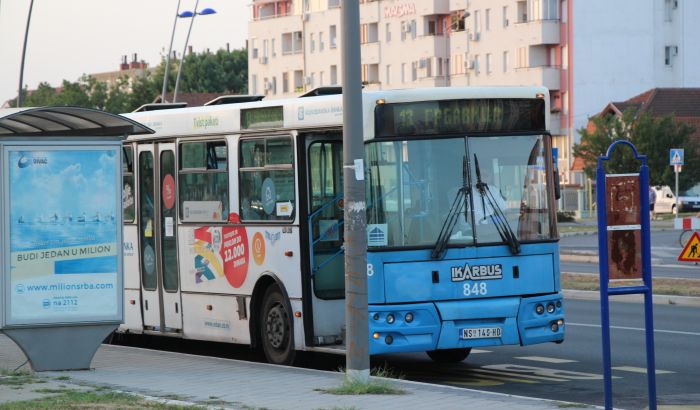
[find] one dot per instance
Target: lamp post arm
(184, 51)
(167, 57)
(20, 99)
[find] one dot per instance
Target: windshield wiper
(448, 225)
(498, 217)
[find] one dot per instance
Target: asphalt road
(665, 249)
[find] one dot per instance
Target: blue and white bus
(234, 222)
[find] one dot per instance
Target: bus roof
(308, 112)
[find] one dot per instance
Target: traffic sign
(691, 252)
(676, 156)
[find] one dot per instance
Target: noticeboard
(62, 250)
(623, 213)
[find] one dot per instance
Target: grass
(75, 399)
(17, 378)
(379, 384)
(660, 286)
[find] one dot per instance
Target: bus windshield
(413, 184)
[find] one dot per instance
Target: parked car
(690, 200)
(665, 200)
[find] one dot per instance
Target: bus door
(325, 227)
(161, 302)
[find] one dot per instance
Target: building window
(388, 32)
(388, 74)
(272, 46)
(487, 19)
(477, 69)
(320, 41)
(669, 6)
(488, 63)
(320, 79)
(312, 43)
(669, 53)
(370, 73)
(505, 61)
(292, 43)
(298, 81)
(403, 72)
(477, 26)
(254, 84)
(414, 71)
(522, 57)
(334, 74)
(457, 20)
(369, 33)
(505, 16)
(285, 83)
(333, 36)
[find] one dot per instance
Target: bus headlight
(390, 318)
(550, 307)
(539, 309)
(409, 317)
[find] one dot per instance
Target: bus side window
(267, 179)
(203, 178)
(128, 198)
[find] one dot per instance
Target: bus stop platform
(183, 379)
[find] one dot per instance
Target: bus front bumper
(419, 327)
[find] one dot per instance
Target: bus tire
(449, 355)
(276, 328)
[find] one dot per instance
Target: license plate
(481, 332)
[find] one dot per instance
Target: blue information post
(624, 243)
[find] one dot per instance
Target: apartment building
(587, 52)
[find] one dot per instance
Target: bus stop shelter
(61, 270)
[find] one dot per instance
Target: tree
(653, 136)
(223, 72)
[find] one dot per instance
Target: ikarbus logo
(25, 161)
(476, 272)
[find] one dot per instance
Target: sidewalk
(197, 380)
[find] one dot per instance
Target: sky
(69, 38)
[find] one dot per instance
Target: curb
(638, 298)
(590, 258)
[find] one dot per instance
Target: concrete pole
(20, 98)
(357, 331)
(167, 57)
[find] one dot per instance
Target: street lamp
(167, 57)
(20, 100)
(190, 14)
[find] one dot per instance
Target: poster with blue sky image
(64, 235)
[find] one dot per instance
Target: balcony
(429, 45)
(537, 32)
(547, 76)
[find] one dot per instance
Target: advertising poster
(63, 236)
(624, 230)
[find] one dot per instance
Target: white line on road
(545, 359)
(674, 332)
(639, 370)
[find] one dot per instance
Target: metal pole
(20, 98)
(182, 60)
(167, 57)
(357, 331)
(675, 168)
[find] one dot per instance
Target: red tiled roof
(681, 102)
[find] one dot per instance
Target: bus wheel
(449, 355)
(276, 328)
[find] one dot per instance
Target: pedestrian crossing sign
(676, 157)
(691, 252)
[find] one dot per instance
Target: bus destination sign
(460, 117)
(264, 117)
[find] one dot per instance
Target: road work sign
(691, 252)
